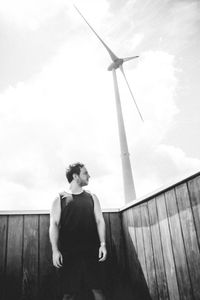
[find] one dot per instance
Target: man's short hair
(73, 169)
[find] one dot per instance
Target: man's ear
(74, 176)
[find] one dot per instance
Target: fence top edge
(45, 212)
(159, 191)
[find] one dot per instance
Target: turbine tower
(129, 188)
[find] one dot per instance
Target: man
(77, 235)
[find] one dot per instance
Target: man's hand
(102, 253)
(57, 259)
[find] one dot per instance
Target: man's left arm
(101, 228)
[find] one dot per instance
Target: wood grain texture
(127, 242)
(158, 252)
(117, 238)
(47, 283)
(3, 250)
(182, 272)
(122, 288)
(130, 252)
(190, 237)
(14, 258)
(139, 239)
(194, 191)
(167, 249)
(30, 258)
(109, 260)
(138, 281)
(152, 280)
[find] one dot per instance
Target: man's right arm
(54, 232)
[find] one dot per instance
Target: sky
(57, 103)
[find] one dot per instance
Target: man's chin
(85, 183)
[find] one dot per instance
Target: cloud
(46, 124)
(184, 18)
(31, 14)
(155, 88)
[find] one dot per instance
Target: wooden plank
(131, 228)
(122, 287)
(108, 234)
(139, 239)
(117, 238)
(182, 272)
(109, 260)
(130, 251)
(190, 237)
(14, 258)
(167, 249)
(134, 265)
(47, 288)
(3, 247)
(127, 241)
(117, 278)
(137, 277)
(157, 250)
(194, 190)
(30, 261)
(152, 280)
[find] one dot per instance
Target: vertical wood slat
(139, 240)
(127, 243)
(109, 275)
(190, 237)
(117, 238)
(122, 289)
(3, 248)
(108, 237)
(30, 258)
(157, 250)
(167, 249)
(137, 275)
(46, 270)
(131, 246)
(183, 277)
(131, 228)
(194, 190)
(153, 288)
(14, 258)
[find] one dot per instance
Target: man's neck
(75, 188)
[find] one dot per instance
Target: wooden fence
(153, 250)
(26, 270)
(163, 234)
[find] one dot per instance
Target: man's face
(83, 177)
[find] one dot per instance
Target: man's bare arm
(54, 232)
(101, 228)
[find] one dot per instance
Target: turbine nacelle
(115, 64)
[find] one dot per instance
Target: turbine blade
(129, 58)
(112, 55)
(122, 70)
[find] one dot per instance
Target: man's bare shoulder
(94, 196)
(89, 192)
(55, 202)
(59, 196)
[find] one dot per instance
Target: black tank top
(78, 230)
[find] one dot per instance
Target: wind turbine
(129, 188)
